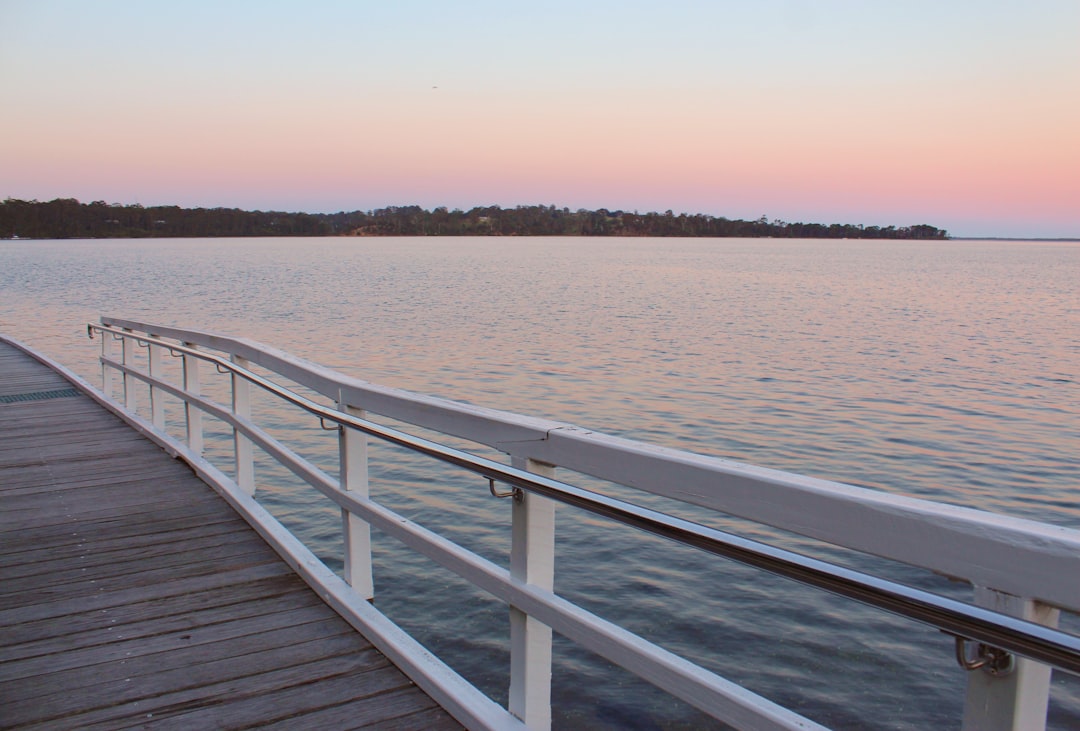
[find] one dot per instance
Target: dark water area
(945, 371)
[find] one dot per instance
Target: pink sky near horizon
(985, 146)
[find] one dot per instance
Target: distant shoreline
(1023, 239)
(67, 218)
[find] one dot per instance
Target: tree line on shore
(66, 218)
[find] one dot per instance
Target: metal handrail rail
(1027, 639)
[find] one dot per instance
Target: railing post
(192, 414)
(532, 560)
(126, 357)
(157, 400)
(245, 453)
(353, 451)
(106, 370)
(1017, 701)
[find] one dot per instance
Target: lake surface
(948, 371)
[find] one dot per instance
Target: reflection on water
(946, 371)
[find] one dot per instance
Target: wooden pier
(132, 595)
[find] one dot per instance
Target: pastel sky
(960, 114)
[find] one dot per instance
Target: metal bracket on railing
(141, 344)
(117, 337)
(225, 371)
(334, 425)
(992, 660)
(175, 353)
(514, 492)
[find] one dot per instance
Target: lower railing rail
(527, 586)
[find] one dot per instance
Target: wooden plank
(252, 591)
(69, 414)
(182, 618)
(136, 454)
(102, 526)
(130, 591)
(110, 641)
(81, 500)
(149, 579)
(343, 718)
(433, 719)
(143, 677)
(129, 568)
(93, 450)
(114, 496)
(80, 446)
(105, 600)
(41, 479)
(250, 701)
(20, 379)
(38, 559)
(37, 478)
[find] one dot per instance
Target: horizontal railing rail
(998, 632)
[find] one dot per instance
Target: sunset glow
(963, 115)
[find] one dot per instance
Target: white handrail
(983, 548)
(963, 620)
(1012, 555)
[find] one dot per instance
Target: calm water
(944, 371)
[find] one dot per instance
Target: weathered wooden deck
(132, 595)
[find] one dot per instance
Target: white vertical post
(353, 451)
(1017, 701)
(192, 414)
(245, 453)
(106, 371)
(126, 357)
(532, 560)
(157, 398)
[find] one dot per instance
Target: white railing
(1016, 566)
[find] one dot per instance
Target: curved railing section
(1015, 565)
